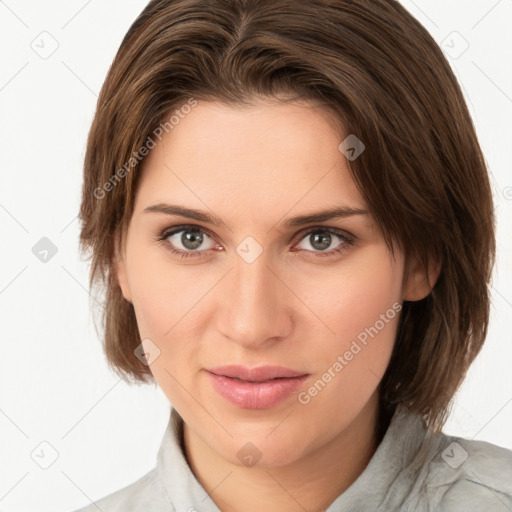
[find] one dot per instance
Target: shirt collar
(182, 487)
(397, 450)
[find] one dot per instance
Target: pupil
(192, 239)
(325, 241)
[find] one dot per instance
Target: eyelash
(166, 233)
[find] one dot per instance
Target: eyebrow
(208, 218)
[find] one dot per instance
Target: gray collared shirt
(411, 470)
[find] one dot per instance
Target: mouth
(257, 388)
(254, 381)
(258, 374)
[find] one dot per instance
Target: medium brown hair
(377, 69)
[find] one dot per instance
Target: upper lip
(258, 374)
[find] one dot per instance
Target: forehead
(267, 159)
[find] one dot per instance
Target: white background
(56, 387)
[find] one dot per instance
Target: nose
(254, 304)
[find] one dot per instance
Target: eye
(187, 241)
(321, 240)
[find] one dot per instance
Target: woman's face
(321, 298)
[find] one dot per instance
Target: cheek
(169, 301)
(352, 295)
(359, 305)
(165, 300)
(164, 294)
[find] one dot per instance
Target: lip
(255, 388)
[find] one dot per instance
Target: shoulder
(467, 474)
(146, 493)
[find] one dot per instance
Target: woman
(290, 214)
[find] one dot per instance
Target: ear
(417, 285)
(120, 268)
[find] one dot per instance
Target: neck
(312, 482)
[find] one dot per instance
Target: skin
(254, 167)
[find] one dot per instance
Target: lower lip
(255, 395)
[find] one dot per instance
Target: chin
(261, 453)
